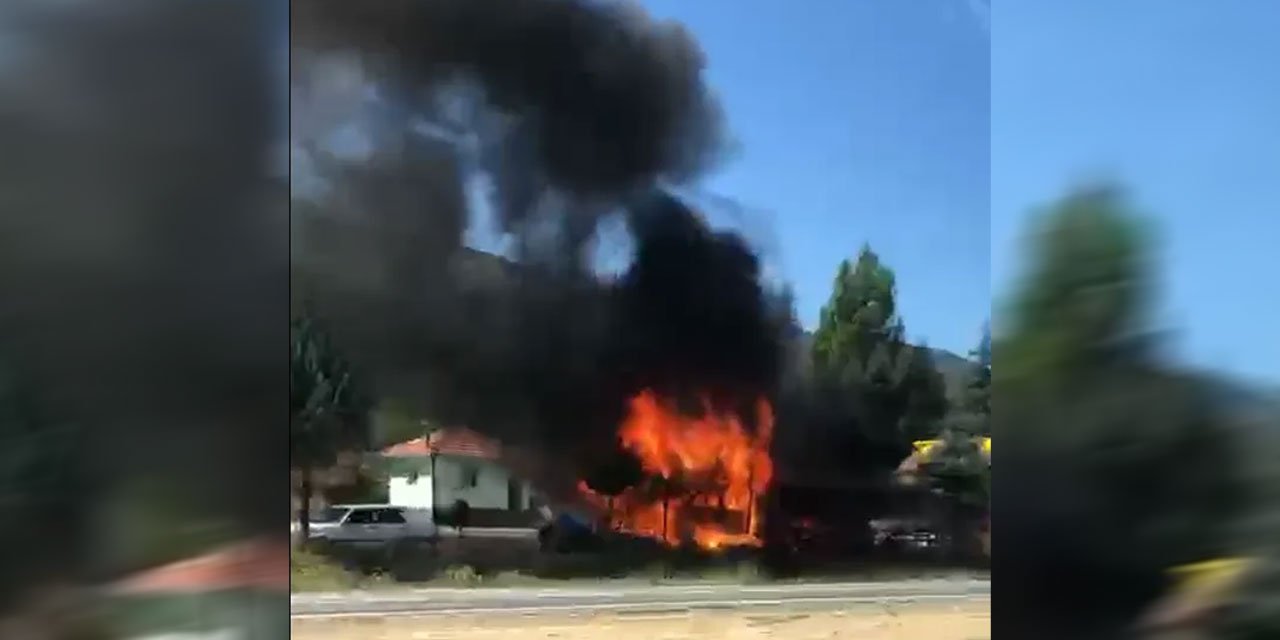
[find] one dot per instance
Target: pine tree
(977, 399)
(859, 320)
(327, 411)
(860, 349)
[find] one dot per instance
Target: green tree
(976, 405)
(958, 471)
(859, 349)
(328, 413)
(921, 393)
(1111, 457)
(859, 319)
(1085, 297)
(368, 484)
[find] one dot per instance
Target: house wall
(483, 484)
(410, 491)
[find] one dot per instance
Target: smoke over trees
(556, 118)
(572, 114)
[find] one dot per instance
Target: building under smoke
(574, 112)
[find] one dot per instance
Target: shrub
(310, 571)
(463, 575)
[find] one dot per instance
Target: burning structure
(706, 476)
(656, 387)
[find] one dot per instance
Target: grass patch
(314, 571)
(311, 571)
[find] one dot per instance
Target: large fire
(708, 476)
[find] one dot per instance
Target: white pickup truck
(372, 526)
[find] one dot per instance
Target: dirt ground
(969, 621)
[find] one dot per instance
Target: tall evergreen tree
(977, 397)
(958, 471)
(923, 393)
(859, 321)
(327, 411)
(1086, 296)
(859, 350)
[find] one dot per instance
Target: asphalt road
(631, 599)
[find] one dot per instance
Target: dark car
(567, 533)
(905, 535)
(912, 540)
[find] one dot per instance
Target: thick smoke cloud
(142, 273)
(593, 99)
(588, 111)
(692, 315)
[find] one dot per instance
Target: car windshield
(331, 514)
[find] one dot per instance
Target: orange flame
(715, 473)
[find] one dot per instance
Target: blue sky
(859, 121)
(1180, 100)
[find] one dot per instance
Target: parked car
(567, 532)
(913, 540)
(905, 535)
(373, 526)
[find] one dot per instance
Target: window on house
(470, 477)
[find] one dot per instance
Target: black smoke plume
(143, 280)
(587, 111)
(594, 99)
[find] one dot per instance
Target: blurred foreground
(1118, 462)
(139, 408)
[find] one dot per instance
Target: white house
(450, 465)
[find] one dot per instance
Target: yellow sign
(925, 447)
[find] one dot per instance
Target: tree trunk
(664, 518)
(304, 506)
(668, 571)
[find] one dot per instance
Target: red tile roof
(452, 442)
